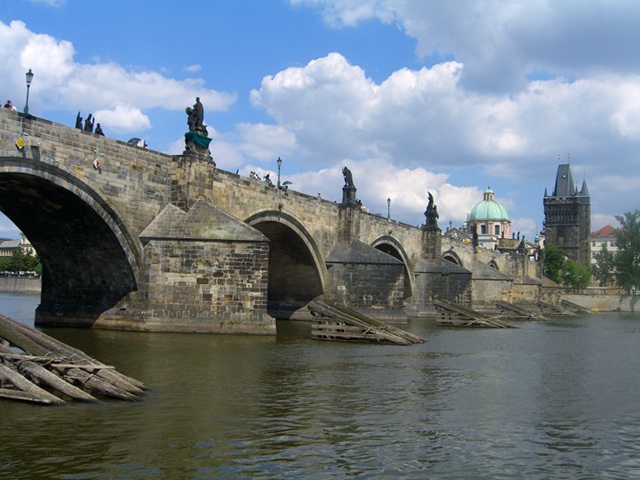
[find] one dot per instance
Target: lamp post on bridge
(29, 77)
(279, 165)
(388, 208)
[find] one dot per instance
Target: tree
(627, 259)
(19, 262)
(564, 270)
(553, 263)
(604, 268)
(575, 275)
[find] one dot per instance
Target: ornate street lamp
(388, 208)
(279, 165)
(29, 76)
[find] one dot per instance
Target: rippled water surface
(557, 399)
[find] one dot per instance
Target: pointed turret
(584, 191)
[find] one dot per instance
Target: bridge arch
(453, 257)
(297, 271)
(89, 258)
(392, 246)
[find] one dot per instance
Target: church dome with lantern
(490, 219)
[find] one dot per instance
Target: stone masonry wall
(196, 286)
(365, 285)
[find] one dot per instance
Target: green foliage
(627, 259)
(575, 275)
(604, 269)
(553, 263)
(564, 270)
(19, 262)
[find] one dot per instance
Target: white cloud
(525, 226)
(193, 68)
(122, 119)
(501, 41)
(265, 142)
(61, 82)
(339, 13)
(425, 117)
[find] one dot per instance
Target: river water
(548, 400)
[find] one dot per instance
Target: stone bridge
(130, 238)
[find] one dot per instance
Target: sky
(413, 96)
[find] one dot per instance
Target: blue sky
(414, 96)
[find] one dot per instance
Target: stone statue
(198, 113)
(79, 121)
(348, 179)
(99, 130)
(197, 138)
(431, 213)
(88, 124)
(474, 237)
(195, 118)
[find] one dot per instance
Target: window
(496, 229)
(483, 229)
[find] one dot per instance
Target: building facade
(8, 246)
(603, 238)
(567, 213)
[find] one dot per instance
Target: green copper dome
(488, 209)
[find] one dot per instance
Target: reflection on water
(547, 400)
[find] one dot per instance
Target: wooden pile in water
(337, 322)
(554, 310)
(516, 312)
(574, 307)
(454, 315)
(48, 371)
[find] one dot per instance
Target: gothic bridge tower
(567, 213)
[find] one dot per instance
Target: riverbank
(16, 284)
(605, 303)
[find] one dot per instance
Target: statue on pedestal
(197, 138)
(348, 178)
(431, 214)
(349, 189)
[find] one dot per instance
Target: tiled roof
(606, 231)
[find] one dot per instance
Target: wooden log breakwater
(455, 315)
(516, 312)
(38, 368)
(338, 322)
(574, 307)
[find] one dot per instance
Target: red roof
(606, 231)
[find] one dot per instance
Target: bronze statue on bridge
(197, 138)
(349, 190)
(431, 214)
(348, 178)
